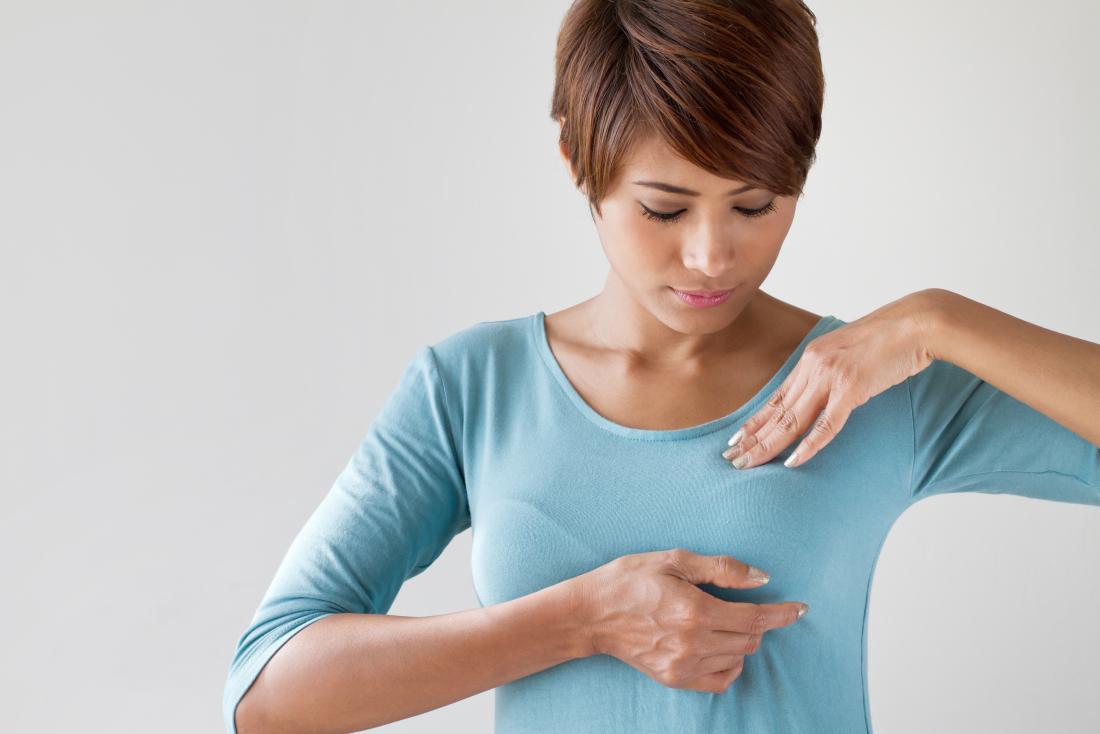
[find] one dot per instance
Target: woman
(614, 524)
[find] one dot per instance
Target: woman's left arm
(1055, 374)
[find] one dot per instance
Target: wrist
(933, 320)
(577, 608)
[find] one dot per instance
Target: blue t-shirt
(484, 430)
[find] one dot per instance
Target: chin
(687, 320)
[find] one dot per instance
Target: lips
(705, 294)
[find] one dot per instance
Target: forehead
(653, 153)
(651, 158)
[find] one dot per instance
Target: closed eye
(668, 217)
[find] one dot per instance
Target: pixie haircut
(733, 86)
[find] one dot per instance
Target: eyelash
(668, 219)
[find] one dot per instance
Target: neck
(619, 322)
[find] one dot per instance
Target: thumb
(718, 570)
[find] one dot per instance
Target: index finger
(753, 619)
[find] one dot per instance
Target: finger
(761, 416)
(717, 682)
(749, 618)
(724, 571)
(787, 423)
(718, 663)
(825, 428)
(724, 642)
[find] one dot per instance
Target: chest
(572, 497)
(666, 400)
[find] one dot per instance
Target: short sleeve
(969, 436)
(398, 502)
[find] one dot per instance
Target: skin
(639, 355)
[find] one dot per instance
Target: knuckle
(762, 447)
(777, 398)
(787, 420)
(731, 675)
(758, 624)
(620, 563)
(752, 643)
(679, 649)
(676, 556)
(665, 677)
(672, 675)
(672, 560)
(823, 356)
(737, 669)
(724, 565)
(824, 424)
(816, 356)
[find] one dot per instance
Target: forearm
(1056, 374)
(350, 672)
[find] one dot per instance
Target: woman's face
(711, 242)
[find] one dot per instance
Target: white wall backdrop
(209, 210)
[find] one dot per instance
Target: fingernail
(803, 609)
(740, 461)
(791, 459)
(736, 437)
(757, 575)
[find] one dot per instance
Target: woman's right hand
(646, 610)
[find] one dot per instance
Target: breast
(551, 508)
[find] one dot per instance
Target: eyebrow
(681, 190)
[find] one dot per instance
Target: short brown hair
(734, 86)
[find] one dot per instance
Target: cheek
(638, 248)
(647, 259)
(758, 248)
(755, 260)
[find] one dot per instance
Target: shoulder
(483, 350)
(789, 327)
(483, 338)
(787, 323)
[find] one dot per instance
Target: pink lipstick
(703, 299)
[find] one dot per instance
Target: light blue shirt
(484, 430)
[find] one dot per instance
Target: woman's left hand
(836, 373)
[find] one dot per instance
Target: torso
(668, 400)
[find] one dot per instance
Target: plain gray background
(211, 216)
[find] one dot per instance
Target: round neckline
(542, 346)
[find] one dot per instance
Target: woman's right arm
(349, 672)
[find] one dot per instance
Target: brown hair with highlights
(733, 86)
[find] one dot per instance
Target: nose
(709, 251)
